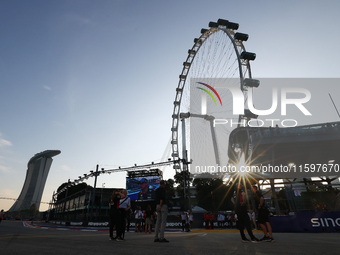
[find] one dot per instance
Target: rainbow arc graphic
(209, 93)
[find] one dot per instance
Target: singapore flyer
(216, 69)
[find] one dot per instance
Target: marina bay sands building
(38, 168)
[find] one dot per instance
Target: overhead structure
(131, 171)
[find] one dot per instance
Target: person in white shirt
(223, 220)
(219, 220)
(138, 219)
(124, 207)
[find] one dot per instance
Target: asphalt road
(17, 239)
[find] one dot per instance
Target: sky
(97, 79)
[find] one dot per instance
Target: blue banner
(307, 222)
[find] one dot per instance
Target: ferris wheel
(217, 60)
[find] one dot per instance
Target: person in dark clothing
(162, 213)
(1, 215)
(128, 219)
(183, 219)
(115, 215)
(206, 220)
(240, 201)
(263, 215)
(148, 219)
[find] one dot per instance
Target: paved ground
(17, 239)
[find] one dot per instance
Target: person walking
(263, 216)
(113, 213)
(162, 213)
(239, 199)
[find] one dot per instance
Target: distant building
(36, 175)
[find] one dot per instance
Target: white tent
(198, 209)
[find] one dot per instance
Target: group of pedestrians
(144, 219)
(120, 206)
(209, 219)
(120, 210)
(186, 219)
(243, 220)
(224, 220)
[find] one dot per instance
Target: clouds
(4, 169)
(65, 168)
(9, 193)
(47, 87)
(4, 143)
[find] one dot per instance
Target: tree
(212, 194)
(183, 179)
(170, 191)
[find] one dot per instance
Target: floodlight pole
(68, 183)
(51, 205)
(185, 163)
(184, 158)
(94, 191)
